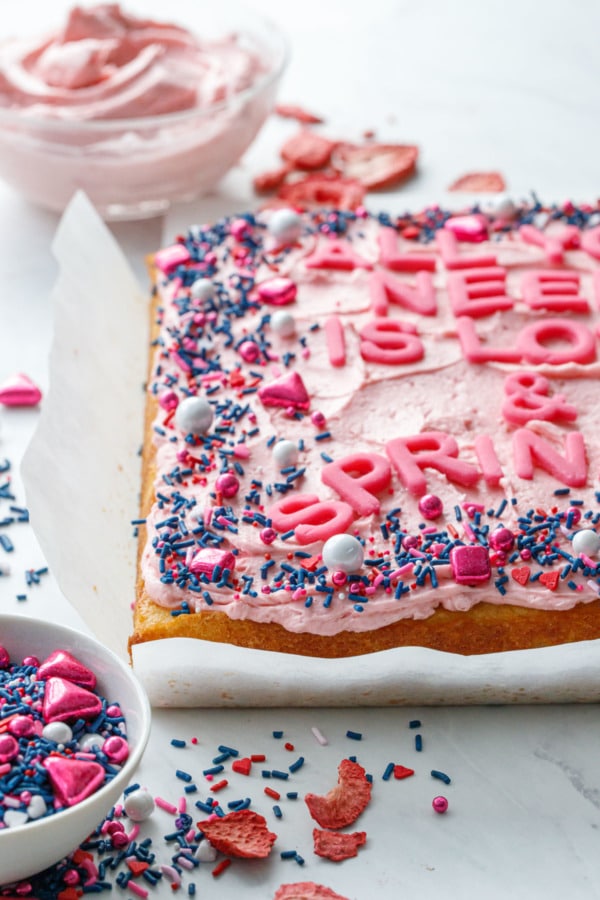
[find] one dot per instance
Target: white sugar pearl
(139, 805)
(285, 453)
(202, 289)
(194, 415)
(283, 323)
(285, 225)
(15, 817)
(87, 741)
(343, 553)
(500, 207)
(37, 807)
(58, 732)
(206, 852)
(587, 542)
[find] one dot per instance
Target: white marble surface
(509, 85)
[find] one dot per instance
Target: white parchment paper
(82, 478)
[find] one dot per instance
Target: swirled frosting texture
(105, 64)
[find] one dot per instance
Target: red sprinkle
(219, 785)
(220, 867)
(271, 793)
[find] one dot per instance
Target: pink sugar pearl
(227, 484)
(431, 507)
(439, 804)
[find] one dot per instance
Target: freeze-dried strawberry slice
(479, 182)
(241, 833)
(306, 890)
(322, 190)
(376, 166)
(291, 111)
(345, 802)
(336, 846)
(271, 181)
(307, 150)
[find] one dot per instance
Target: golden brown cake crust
(484, 629)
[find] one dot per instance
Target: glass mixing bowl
(135, 167)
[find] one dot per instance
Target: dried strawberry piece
(376, 166)
(480, 182)
(345, 802)
(336, 846)
(291, 111)
(271, 181)
(322, 190)
(307, 150)
(306, 890)
(241, 833)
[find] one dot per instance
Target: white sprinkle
(319, 736)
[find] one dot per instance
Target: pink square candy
(470, 565)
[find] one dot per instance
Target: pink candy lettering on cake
(477, 289)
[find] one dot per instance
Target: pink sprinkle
(370, 590)
(469, 532)
(403, 570)
(429, 530)
(4, 768)
(136, 888)
(118, 810)
(182, 805)
(593, 586)
(186, 863)
(189, 838)
(181, 362)
(133, 833)
(171, 873)
(299, 593)
(209, 777)
(525, 553)
(417, 553)
(241, 451)
(164, 804)
(589, 562)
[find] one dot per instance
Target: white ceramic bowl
(30, 848)
(135, 167)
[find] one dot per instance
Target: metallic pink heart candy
(73, 779)
(64, 702)
(287, 391)
(278, 291)
(19, 390)
(63, 664)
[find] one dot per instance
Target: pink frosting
(389, 432)
(105, 64)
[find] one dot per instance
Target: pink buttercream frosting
(106, 64)
(381, 412)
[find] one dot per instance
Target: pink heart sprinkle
(73, 779)
(62, 664)
(19, 390)
(64, 702)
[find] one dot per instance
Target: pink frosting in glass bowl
(137, 109)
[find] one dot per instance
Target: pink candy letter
(390, 342)
(312, 519)
(356, 478)
(430, 449)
